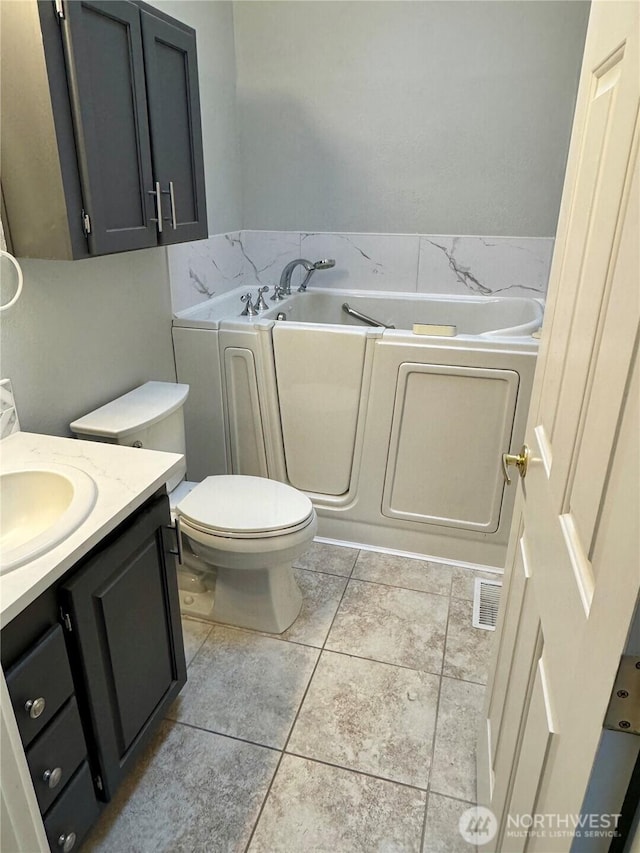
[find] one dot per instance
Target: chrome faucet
(284, 287)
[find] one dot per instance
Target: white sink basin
(40, 505)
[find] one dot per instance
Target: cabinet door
(127, 637)
(171, 68)
(105, 66)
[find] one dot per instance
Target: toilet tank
(150, 416)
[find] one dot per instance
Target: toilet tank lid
(136, 410)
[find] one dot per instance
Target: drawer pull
(52, 777)
(35, 707)
(67, 841)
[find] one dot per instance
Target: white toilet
(241, 534)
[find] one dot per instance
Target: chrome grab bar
(368, 320)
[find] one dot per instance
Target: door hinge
(86, 223)
(98, 782)
(623, 713)
(59, 8)
(66, 620)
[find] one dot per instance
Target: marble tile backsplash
(8, 413)
(506, 266)
(487, 266)
(365, 261)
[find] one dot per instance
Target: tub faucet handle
(249, 309)
(261, 305)
(278, 294)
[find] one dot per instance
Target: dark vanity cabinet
(110, 104)
(91, 668)
(126, 638)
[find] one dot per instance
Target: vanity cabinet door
(127, 638)
(105, 68)
(173, 100)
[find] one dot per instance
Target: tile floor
(352, 731)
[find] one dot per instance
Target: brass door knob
(521, 461)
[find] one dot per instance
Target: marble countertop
(125, 477)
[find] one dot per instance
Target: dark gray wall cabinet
(92, 666)
(123, 133)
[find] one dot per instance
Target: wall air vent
(486, 599)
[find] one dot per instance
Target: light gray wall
(428, 117)
(84, 332)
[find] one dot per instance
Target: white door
(573, 573)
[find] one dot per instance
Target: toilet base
(260, 599)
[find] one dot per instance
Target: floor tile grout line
(325, 648)
(322, 572)
(424, 819)
(282, 754)
(255, 633)
(451, 797)
(397, 586)
(264, 802)
(383, 662)
(435, 730)
(293, 724)
(320, 651)
(223, 734)
(357, 772)
(435, 724)
(465, 680)
(199, 649)
(335, 615)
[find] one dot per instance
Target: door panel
(174, 115)
(246, 432)
(127, 639)
(103, 47)
(140, 680)
(580, 500)
(538, 731)
(320, 376)
(433, 459)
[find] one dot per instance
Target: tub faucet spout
(285, 278)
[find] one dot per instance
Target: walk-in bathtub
(397, 437)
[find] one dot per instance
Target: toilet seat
(242, 507)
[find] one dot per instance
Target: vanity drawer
(73, 813)
(56, 754)
(39, 683)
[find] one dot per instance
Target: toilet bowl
(250, 530)
(240, 534)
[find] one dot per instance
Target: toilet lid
(245, 506)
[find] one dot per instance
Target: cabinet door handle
(177, 552)
(172, 201)
(35, 707)
(52, 777)
(66, 841)
(174, 221)
(158, 194)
